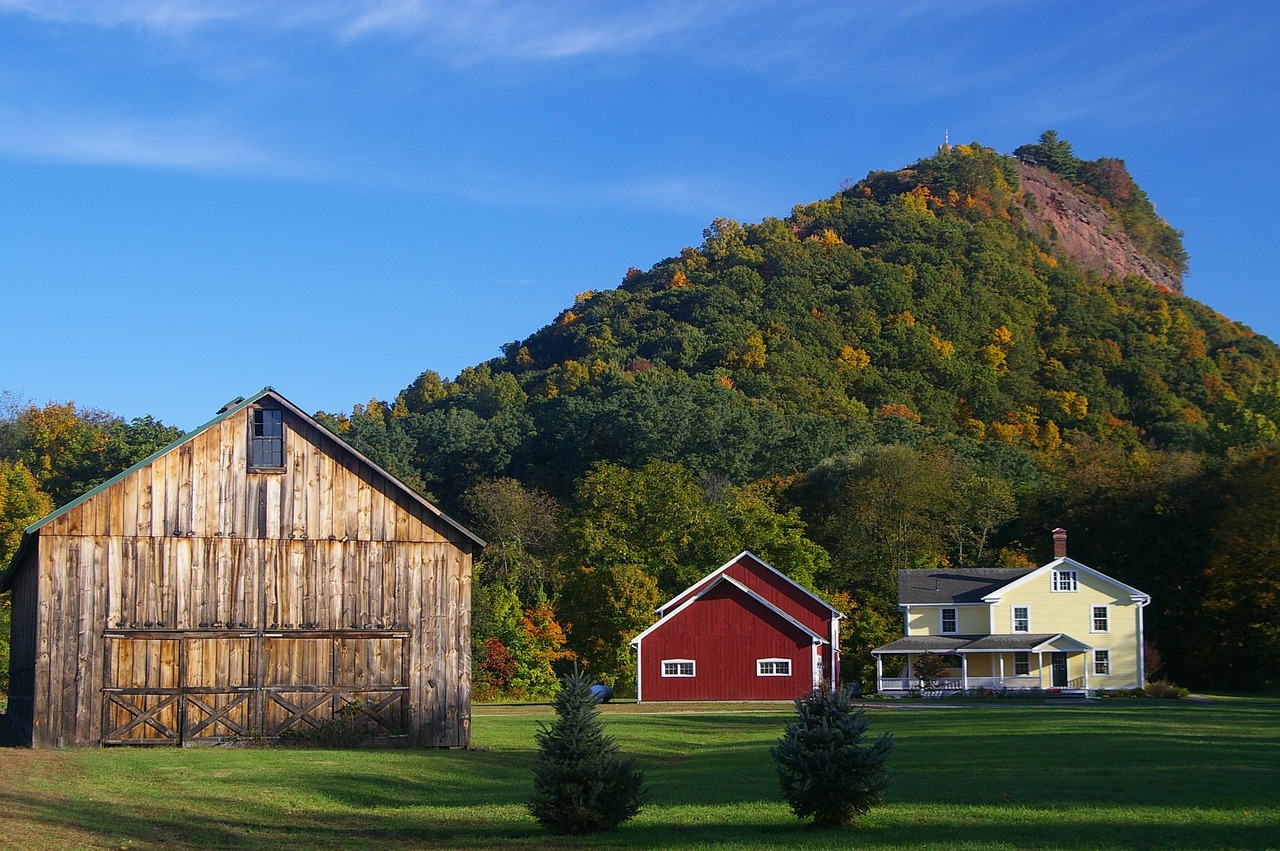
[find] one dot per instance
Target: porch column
(1000, 656)
(964, 672)
(1088, 663)
(1040, 667)
(879, 673)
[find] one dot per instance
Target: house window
(1101, 619)
(266, 443)
(1021, 664)
(677, 667)
(948, 620)
(1021, 619)
(1066, 580)
(1102, 662)
(773, 667)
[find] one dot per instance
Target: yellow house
(1062, 627)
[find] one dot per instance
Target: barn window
(677, 667)
(266, 444)
(773, 667)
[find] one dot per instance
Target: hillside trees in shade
(895, 507)
(1239, 625)
(516, 637)
(21, 504)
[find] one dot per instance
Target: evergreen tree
(825, 771)
(581, 784)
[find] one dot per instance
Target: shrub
(930, 669)
(581, 784)
(1165, 690)
(825, 771)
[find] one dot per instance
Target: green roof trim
(89, 494)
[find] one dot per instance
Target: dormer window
(266, 441)
(1065, 580)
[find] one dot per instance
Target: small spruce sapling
(581, 784)
(825, 771)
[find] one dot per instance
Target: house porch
(1051, 664)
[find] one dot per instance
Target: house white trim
(1071, 564)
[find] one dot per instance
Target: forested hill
(935, 302)
(933, 367)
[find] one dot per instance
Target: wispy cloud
(181, 144)
(463, 30)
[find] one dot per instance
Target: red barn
(742, 632)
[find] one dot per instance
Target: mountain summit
(1008, 303)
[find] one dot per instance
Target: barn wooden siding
(195, 599)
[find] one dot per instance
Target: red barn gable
(743, 632)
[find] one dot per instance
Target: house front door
(1059, 670)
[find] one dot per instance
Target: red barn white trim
(751, 632)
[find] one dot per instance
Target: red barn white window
(773, 667)
(677, 668)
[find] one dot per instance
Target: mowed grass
(1143, 774)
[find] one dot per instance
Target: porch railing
(954, 684)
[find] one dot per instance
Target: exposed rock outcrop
(1083, 230)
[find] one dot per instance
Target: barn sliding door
(308, 681)
(189, 688)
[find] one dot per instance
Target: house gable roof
(719, 571)
(729, 580)
(923, 587)
(994, 595)
(229, 410)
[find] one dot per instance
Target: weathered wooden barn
(256, 578)
(745, 631)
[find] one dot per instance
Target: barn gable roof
(708, 580)
(722, 578)
(229, 410)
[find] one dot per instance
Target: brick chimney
(1059, 543)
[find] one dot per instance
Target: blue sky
(202, 197)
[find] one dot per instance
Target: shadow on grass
(484, 827)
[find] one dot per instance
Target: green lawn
(1113, 774)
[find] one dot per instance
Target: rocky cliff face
(1081, 229)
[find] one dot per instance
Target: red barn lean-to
(745, 631)
(256, 578)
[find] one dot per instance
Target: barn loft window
(773, 667)
(266, 443)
